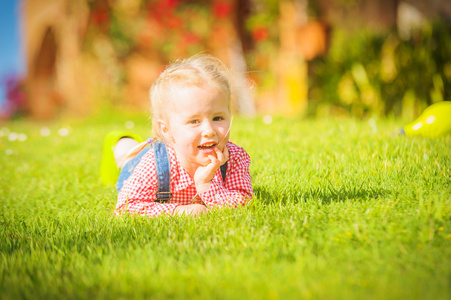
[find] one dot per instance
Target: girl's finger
(213, 160)
(225, 156)
(219, 153)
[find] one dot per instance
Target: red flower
(173, 22)
(163, 12)
(190, 38)
(222, 9)
(166, 5)
(260, 34)
(100, 15)
(172, 3)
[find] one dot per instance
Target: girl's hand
(191, 209)
(204, 174)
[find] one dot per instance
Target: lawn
(343, 210)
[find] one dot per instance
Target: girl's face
(198, 121)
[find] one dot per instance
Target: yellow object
(433, 122)
(109, 171)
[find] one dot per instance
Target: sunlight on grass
(343, 209)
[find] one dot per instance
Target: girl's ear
(164, 129)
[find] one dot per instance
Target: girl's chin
(203, 161)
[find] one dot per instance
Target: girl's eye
(218, 118)
(194, 122)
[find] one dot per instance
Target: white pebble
(13, 136)
(63, 131)
(129, 124)
(22, 137)
(372, 124)
(267, 119)
(45, 131)
(4, 131)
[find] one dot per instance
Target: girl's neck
(190, 170)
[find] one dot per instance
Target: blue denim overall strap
(163, 168)
(129, 167)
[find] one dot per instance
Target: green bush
(367, 73)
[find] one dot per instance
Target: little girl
(190, 104)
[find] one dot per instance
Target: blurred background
(310, 58)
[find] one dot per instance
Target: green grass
(343, 210)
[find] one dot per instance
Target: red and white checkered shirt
(139, 190)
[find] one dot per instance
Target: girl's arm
(237, 189)
(190, 209)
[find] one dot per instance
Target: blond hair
(201, 70)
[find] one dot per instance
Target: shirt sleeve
(237, 189)
(139, 191)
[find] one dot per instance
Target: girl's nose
(207, 130)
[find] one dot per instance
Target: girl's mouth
(207, 147)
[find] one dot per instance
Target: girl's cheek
(225, 133)
(184, 133)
